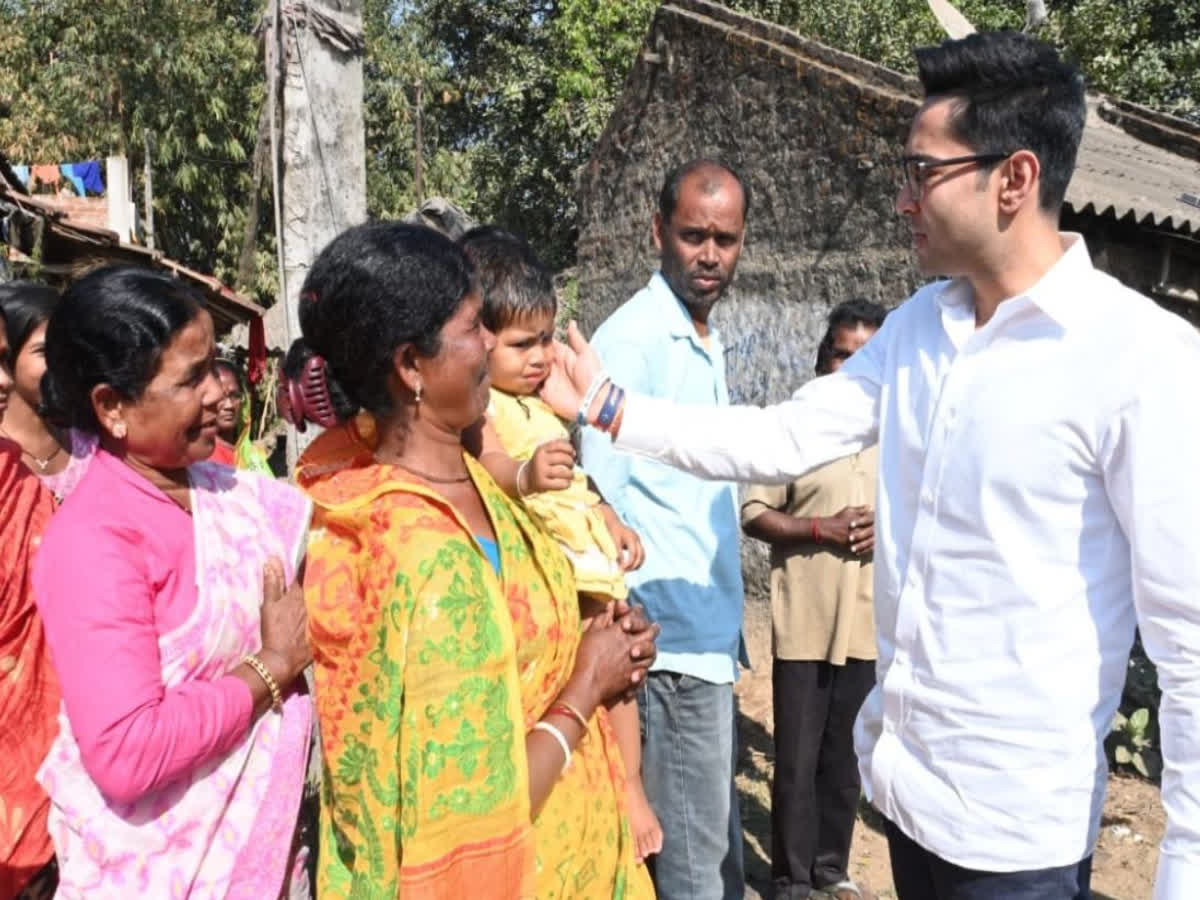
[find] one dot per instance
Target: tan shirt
(821, 600)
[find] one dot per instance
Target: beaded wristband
(553, 731)
(608, 411)
(816, 530)
(268, 679)
(581, 418)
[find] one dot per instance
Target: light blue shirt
(691, 582)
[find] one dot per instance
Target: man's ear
(1020, 179)
(656, 228)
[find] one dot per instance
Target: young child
(526, 448)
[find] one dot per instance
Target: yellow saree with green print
(430, 671)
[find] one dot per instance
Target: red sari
(29, 694)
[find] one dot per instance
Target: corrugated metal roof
(1121, 176)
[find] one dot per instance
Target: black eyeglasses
(917, 168)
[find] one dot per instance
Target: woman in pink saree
(184, 732)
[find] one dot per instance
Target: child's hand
(630, 553)
(551, 468)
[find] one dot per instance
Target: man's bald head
(709, 175)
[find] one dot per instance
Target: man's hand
(630, 553)
(575, 367)
(852, 529)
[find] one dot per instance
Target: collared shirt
(691, 581)
(821, 599)
(1038, 498)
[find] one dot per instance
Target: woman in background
(58, 456)
(28, 688)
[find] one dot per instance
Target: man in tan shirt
(821, 531)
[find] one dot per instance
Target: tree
(535, 82)
(89, 79)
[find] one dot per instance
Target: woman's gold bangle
(268, 679)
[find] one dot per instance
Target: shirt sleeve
(763, 497)
(827, 418)
(609, 468)
(1149, 470)
(134, 734)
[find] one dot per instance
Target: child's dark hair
(514, 282)
(25, 305)
(111, 327)
(373, 288)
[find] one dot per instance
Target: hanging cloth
(76, 182)
(48, 175)
(89, 175)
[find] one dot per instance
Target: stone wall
(819, 153)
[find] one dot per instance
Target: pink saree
(227, 829)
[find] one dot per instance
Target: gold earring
(420, 388)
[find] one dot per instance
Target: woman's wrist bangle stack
(563, 708)
(268, 679)
(557, 734)
(581, 418)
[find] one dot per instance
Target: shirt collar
(118, 470)
(1054, 293)
(678, 320)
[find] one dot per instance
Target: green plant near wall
(1132, 743)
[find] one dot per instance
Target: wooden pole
(418, 145)
(148, 191)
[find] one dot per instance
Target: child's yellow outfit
(572, 516)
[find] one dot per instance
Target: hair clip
(306, 397)
(309, 296)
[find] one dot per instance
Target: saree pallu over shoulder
(430, 671)
(225, 830)
(28, 688)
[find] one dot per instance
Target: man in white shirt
(1038, 498)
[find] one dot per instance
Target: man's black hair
(1015, 93)
(668, 197)
(848, 314)
(513, 281)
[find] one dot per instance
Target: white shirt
(1038, 496)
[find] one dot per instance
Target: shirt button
(927, 497)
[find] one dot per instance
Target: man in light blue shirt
(660, 343)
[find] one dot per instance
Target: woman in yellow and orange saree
(466, 746)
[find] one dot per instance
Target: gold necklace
(40, 461)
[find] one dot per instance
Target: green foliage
(536, 82)
(84, 80)
(1132, 745)
(511, 95)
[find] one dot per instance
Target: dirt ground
(1125, 858)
